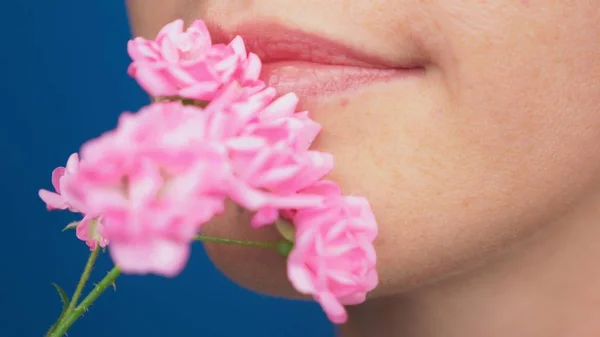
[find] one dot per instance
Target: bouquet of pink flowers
(214, 132)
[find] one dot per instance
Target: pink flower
(154, 181)
(60, 175)
(234, 108)
(333, 258)
(271, 161)
(161, 132)
(185, 63)
(279, 122)
(250, 65)
(267, 177)
(91, 230)
(325, 188)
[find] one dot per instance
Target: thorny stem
(74, 311)
(69, 319)
(83, 280)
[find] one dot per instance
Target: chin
(256, 269)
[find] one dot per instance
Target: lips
(312, 65)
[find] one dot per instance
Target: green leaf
(64, 298)
(72, 225)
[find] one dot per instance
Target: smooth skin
(484, 174)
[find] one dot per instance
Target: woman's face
(498, 138)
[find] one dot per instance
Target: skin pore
(484, 173)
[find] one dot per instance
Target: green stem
(69, 319)
(80, 286)
(83, 280)
(265, 245)
(74, 312)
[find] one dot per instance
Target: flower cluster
(146, 188)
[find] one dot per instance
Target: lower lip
(308, 79)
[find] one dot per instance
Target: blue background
(64, 81)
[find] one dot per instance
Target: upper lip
(278, 43)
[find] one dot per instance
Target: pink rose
(89, 229)
(154, 181)
(333, 258)
(185, 63)
(60, 175)
(92, 232)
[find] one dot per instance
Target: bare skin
(484, 174)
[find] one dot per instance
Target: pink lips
(310, 65)
(313, 79)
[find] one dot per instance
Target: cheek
(449, 190)
(507, 147)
